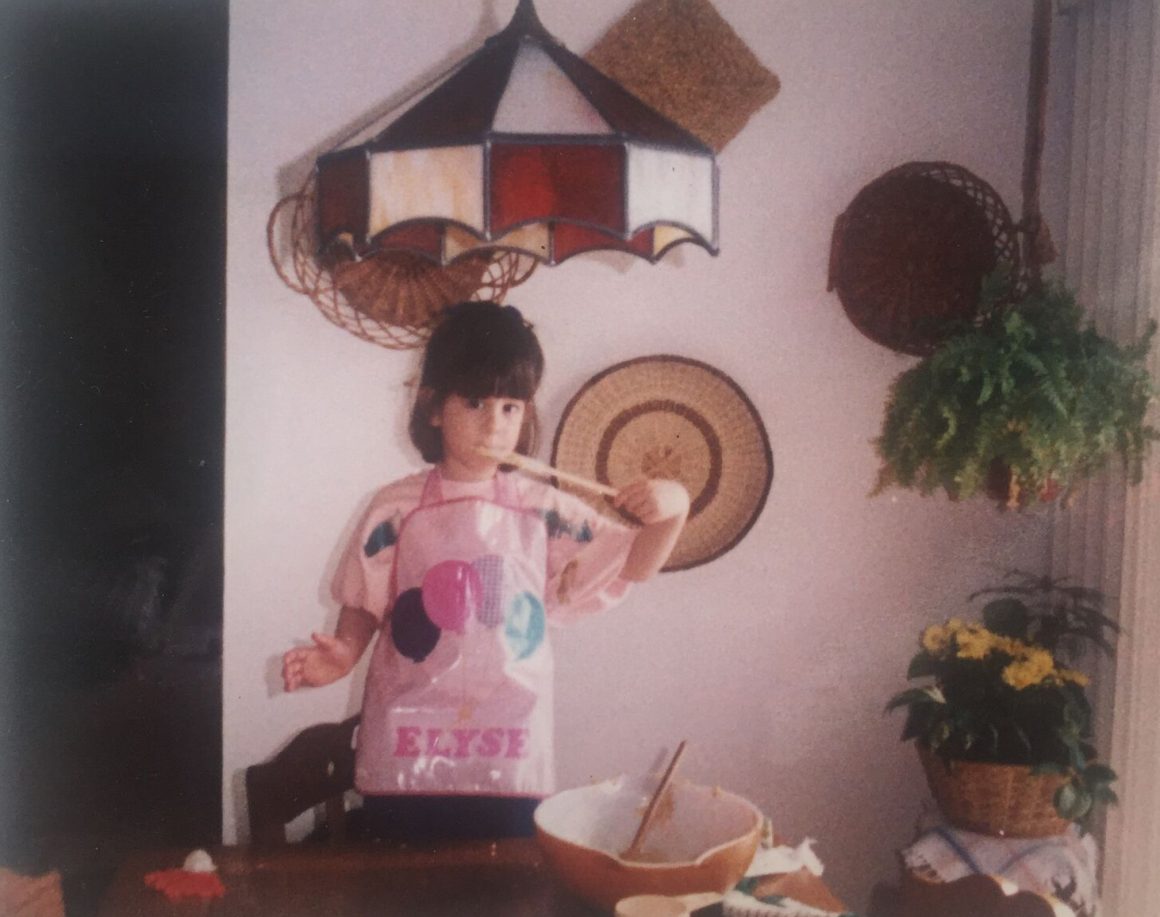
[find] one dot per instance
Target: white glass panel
(540, 99)
(664, 236)
(457, 241)
(533, 239)
(670, 187)
(446, 183)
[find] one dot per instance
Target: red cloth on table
(176, 884)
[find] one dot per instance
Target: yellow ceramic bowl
(702, 842)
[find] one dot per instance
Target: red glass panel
(342, 195)
(569, 239)
(417, 237)
(547, 181)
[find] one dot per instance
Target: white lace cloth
(1064, 866)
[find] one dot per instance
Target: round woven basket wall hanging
(672, 417)
(393, 299)
(909, 254)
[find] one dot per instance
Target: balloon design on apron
(489, 569)
(412, 630)
(524, 625)
(451, 591)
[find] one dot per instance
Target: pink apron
(459, 690)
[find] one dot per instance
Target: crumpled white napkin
(770, 860)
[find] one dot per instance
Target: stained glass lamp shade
(524, 147)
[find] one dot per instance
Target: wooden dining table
(506, 878)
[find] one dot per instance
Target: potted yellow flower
(1003, 726)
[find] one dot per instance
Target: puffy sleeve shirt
(586, 548)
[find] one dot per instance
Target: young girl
(459, 569)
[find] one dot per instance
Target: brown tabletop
(507, 878)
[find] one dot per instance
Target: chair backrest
(974, 896)
(315, 768)
(30, 896)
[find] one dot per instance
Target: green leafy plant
(999, 692)
(1023, 403)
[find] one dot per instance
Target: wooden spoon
(633, 851)
(524, 463)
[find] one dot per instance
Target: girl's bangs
(517, 380)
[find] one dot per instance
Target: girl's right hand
(313, 666)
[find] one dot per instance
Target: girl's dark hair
(478, 350)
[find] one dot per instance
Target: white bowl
(702, 841)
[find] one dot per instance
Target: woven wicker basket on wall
(1004, 800)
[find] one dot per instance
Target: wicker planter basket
(1005, 800)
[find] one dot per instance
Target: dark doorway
(112, 215)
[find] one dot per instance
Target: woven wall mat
(685, 61)
(672, 417)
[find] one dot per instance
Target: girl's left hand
(654, 500)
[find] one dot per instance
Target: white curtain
(1110, 539)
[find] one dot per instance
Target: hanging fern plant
(1024, 404)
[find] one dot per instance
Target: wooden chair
(316, 768)
(31, 896)
(973, 896)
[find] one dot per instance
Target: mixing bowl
(702, 839)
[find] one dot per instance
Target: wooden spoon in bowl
(633, 850)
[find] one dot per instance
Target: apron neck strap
(432, 491)
(505, 490)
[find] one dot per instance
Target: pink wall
(776, 659)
